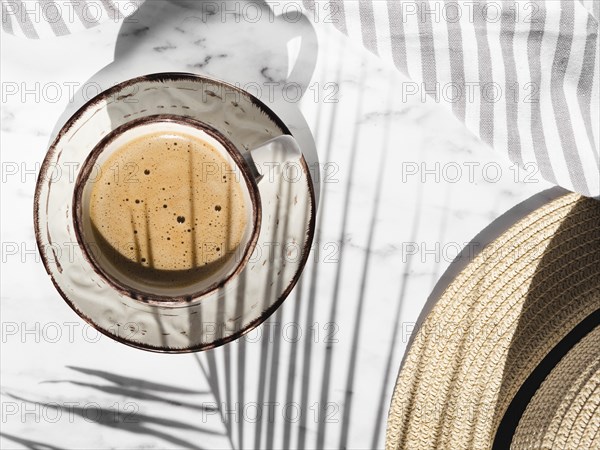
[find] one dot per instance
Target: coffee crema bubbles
(161, 215)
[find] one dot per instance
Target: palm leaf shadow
(129, 393)
(28, 443)
(133, 422)
(269, 372)
(138, 383)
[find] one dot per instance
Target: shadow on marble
(133, 422)
(134, 388)
(28, 443)
(132, 381)
(264, 430)
(269, 359)
(201, 37)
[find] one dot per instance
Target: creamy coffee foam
(167, 207)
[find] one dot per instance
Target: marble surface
(404, 188)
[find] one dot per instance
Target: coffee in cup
(166, 209)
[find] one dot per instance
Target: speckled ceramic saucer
(284, 215)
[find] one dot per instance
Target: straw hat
(564, 411)
(509, 356)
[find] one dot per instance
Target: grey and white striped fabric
(523, 76)
(47, 18)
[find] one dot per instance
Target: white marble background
(385, 235)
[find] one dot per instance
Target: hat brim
(494, 324)
(564, 413)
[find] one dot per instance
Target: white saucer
(286, 229)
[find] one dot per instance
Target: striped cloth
(523, 76)
(47, 18)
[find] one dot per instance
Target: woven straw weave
(494, 324)
(564, 413)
